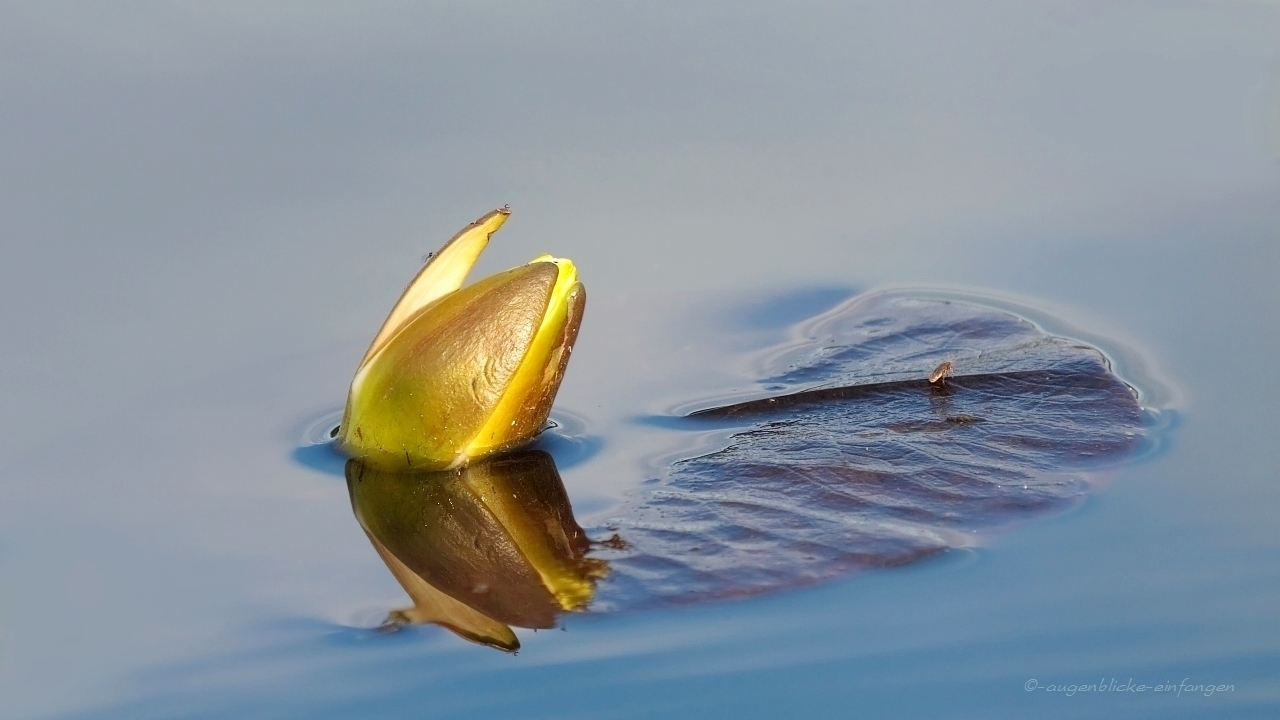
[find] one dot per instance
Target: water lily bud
(456, 374)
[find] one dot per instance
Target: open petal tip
(443, 273)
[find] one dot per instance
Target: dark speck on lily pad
(852, 459)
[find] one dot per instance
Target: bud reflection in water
(480, 548)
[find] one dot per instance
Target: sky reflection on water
(205, 211)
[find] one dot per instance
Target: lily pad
(854, 460)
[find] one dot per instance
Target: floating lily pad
(854, 460)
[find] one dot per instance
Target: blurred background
(206, 210)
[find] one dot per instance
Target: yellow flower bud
(456, 374)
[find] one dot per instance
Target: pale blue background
(207, 209)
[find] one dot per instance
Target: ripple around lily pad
(848, 458)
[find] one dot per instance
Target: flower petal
(526, 400)
(426, 395)
(444, 273)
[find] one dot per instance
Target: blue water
(206, 211)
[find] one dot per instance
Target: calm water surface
(206, 210)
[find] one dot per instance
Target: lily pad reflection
(855, 460)
(478, 549)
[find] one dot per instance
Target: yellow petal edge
(523, 408)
